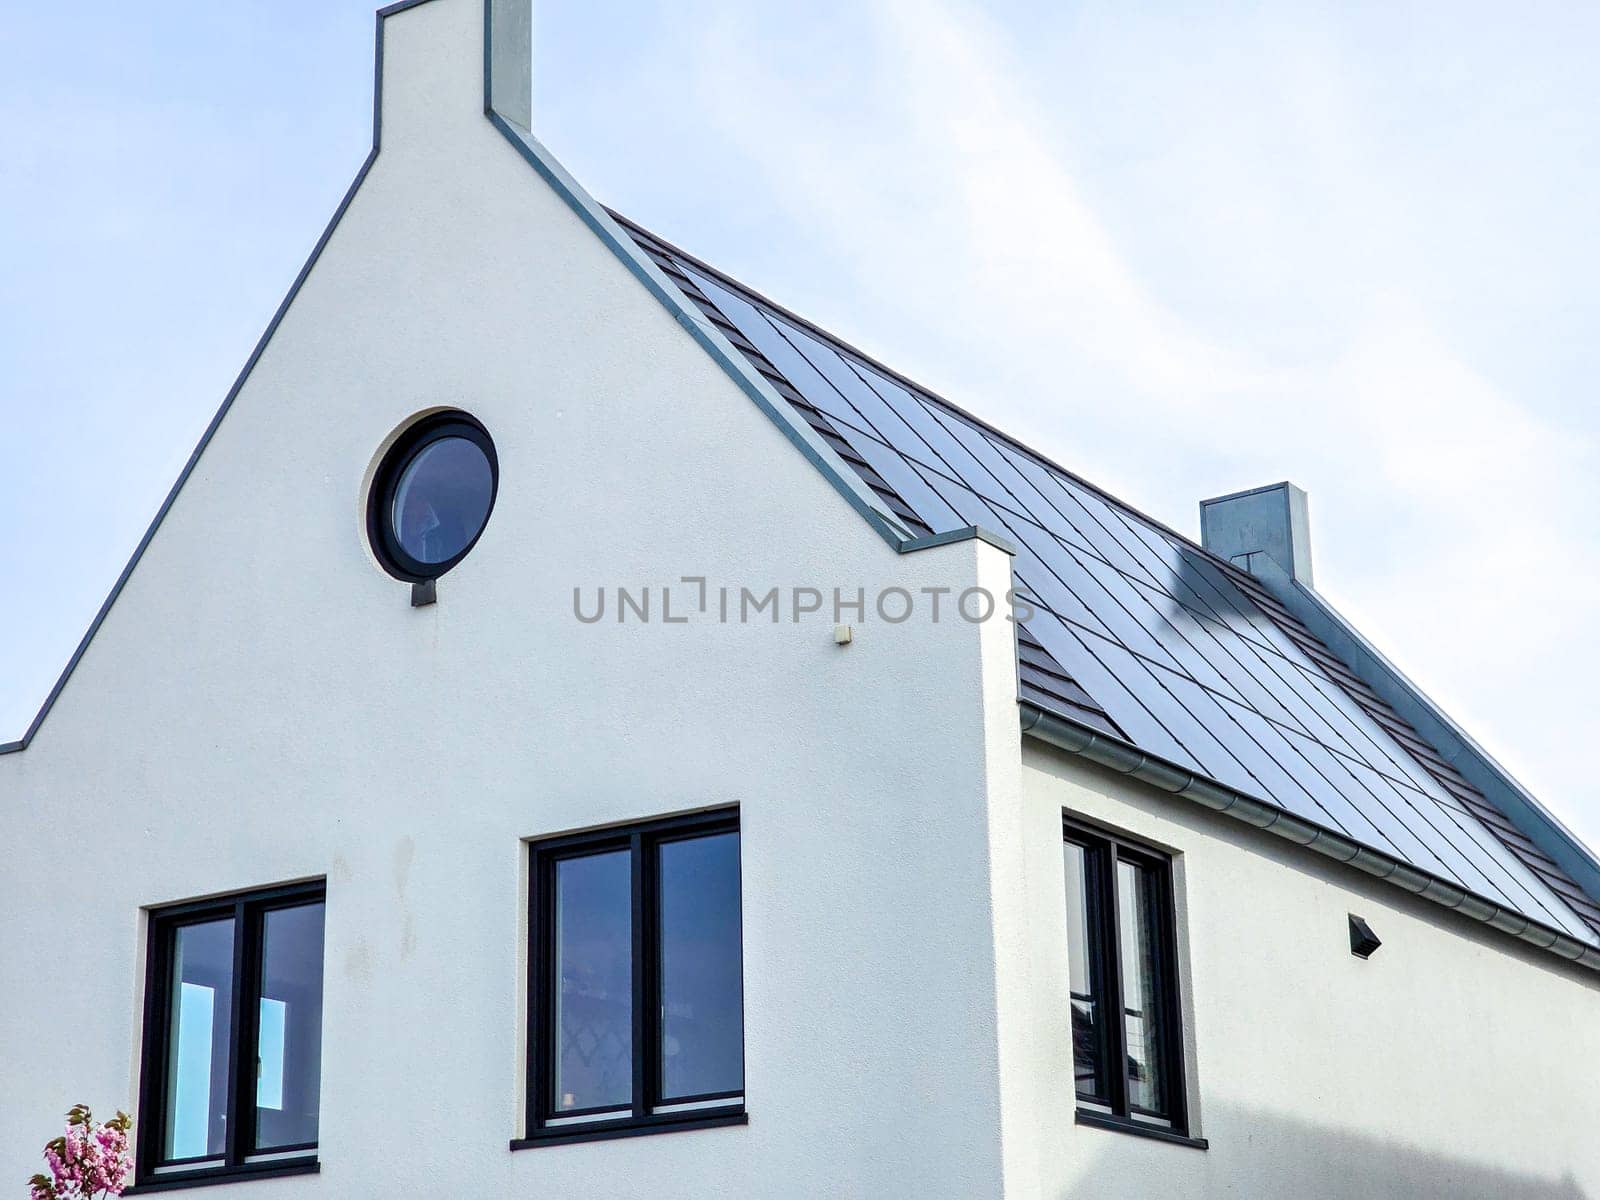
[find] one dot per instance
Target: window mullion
(233, 1150)
(1116, 1023)
(1165, 919)
(152, 1095)
(541, 1007)
(248, 1033)
(642, 1019)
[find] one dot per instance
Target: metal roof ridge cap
(1069, 735)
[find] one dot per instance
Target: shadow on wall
(1255, 1154)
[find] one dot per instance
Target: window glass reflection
(197, 1040)
(1137, 899)
(702, 1031)
(442, 499)
(270, 1054)
(594, 988)
(1088, 1038)
(289, 1037)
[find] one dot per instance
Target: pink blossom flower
(87, 1160)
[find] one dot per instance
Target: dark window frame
(238, 1161)
(386, 480)
(640, 840)
(1104, 849)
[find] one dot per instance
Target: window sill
(601, 1131)
(217, 1175)
(1087, 1116)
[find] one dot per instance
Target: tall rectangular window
(636, 1005)
(232, 1062)
(1122, 961)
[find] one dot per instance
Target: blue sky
(1180, 252)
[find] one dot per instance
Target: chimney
(1264, 523)
(509, 61)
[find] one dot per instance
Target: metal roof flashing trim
(968, 533)
(238, 383)
(1476, 764)
(1125, 759)
(600, 222)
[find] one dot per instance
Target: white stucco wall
(1455, 1062)
(262, 704)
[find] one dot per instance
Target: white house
(794, 788)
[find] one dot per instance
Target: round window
(432, 496)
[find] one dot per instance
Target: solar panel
(1137, 631)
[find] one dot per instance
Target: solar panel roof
(1139, 633)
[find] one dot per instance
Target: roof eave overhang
(1124, 758)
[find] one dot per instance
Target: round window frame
(381, 536)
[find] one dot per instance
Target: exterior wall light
(1362, 940)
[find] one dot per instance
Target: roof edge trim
(238, 383)
(733, 364)
(1079, 739)
(1457, 747)
(968, 533)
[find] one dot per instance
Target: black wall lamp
(1362, 940)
